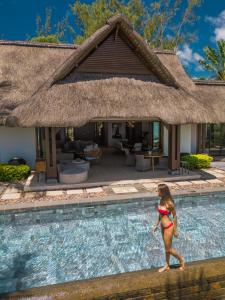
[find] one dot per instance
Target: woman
(168, 228)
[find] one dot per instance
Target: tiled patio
(13, 195)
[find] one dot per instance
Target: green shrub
(198, 161)
(13, 173)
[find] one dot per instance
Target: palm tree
(215, 60)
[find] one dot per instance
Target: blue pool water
(43, 247)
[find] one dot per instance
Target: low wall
(200, 280)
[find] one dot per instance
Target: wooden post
(201, 136)
(50, 144)
(173, 148)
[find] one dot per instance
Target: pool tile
(97, 240)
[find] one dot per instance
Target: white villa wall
(18, 142)
(193, 138)
(188, 139)
(185, 138)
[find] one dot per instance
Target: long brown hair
(165, 194)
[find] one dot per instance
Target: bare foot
(182, 264)
(164, 269)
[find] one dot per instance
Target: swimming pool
(44, 247)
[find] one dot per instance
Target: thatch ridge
(209, 82)
(38, 44)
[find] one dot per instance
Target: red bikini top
(163, 212)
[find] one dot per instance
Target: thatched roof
(40, 86)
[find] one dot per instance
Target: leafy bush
(52, 38)
(13, 173)
(198, 161)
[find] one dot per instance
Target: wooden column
(173, 148)
(201, 137)
(50, 144)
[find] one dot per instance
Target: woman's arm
(155, 226)
(172, 208)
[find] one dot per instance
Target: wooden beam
(174, 148)
(50, 144)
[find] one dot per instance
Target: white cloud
(188, 56)
(219, 23)
(220, 33)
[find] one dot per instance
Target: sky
(17, 22)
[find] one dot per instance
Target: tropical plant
(215, 60)
(163, 23)
(13, 173)
(47, 32)
(198, 161)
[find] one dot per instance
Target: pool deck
(200, 280)
(14, 197)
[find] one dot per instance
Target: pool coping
(123, 198)
(207, 276)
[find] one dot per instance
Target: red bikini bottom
(168, 226)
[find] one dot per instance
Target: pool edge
(207, 276)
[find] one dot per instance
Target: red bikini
(165, 212)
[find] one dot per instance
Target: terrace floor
(111, 169)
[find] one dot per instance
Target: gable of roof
(136, 42)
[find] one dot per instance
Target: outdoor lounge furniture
(93, 155)
(142, 163)
(130, 158)
(69, 176)
(73, 172)
(137, 147)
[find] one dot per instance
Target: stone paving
(13, 194)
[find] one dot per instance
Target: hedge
(13, 173)
(198, 161)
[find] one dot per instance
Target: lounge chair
(142, 163)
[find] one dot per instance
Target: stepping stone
(183, 183)
(30, 195)
(124, 190)
(220, 171)
(217, 175)
(150, 185)
(170, 184)
(94, 190)
(13, 190)
(199, 182)
(54, 193)
(74, 192)
(145, 181)
(10, 196)
(215, 181)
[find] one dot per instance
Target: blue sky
(17, 22)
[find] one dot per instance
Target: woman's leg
(168, 236)
(167, 265)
